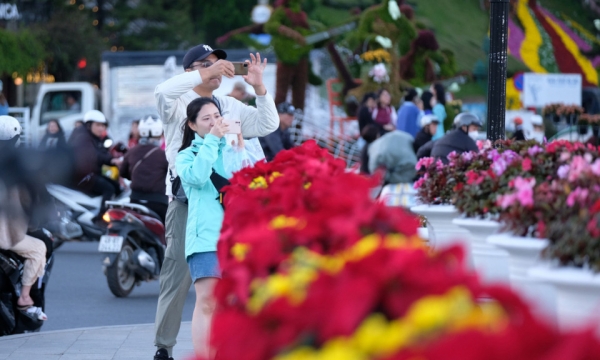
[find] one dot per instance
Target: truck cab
(65, 102)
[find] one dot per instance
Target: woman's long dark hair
(60, 129)
(426, 98)
(192, 113)
(440, 93)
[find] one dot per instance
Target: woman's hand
(255, 74)
(219, 129)
(240, 142)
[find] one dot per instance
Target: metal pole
(497, 69)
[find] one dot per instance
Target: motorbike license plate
(110, 243)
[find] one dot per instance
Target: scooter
(13, 320)
(133, 247)
(76, 212)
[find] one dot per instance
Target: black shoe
(162, 354)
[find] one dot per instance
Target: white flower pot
(442, 232)
(525, 253)
(577, 295)
(490, 261)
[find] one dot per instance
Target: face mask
(538, 136)
(474, 134)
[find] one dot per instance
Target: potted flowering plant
(574, 243)
(583, 124)
(570, 113)
(550, 111)
(435, 192)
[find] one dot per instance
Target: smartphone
(235, 126)
(241, 68)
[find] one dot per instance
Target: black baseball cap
(285, 108)
(201, 52)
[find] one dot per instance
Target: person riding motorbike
(90, 155)
(16, 203)
(460, 140)
(146, 166)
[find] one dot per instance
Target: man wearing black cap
(204, 68)
(279, 139)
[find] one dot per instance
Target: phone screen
(235, 126)
(241, 68)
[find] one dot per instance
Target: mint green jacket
(205, 213)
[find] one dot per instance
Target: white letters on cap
(207, 48)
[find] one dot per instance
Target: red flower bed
(313, 268)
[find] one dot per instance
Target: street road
(78, 296)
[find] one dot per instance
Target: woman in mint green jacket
(201, 152)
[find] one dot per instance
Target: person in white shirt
(204, 69)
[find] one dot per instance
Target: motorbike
(133, 247)
(13, 320)
(76, 212)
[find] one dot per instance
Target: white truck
(126, 91)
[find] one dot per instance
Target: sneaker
(162, 354)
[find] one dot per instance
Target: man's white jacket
(173, 97)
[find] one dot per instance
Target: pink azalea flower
(578, 195)
(565, 156)
(507, 200)
(526, 164)
(534, 150)
(524, 189)
(596, 167)
(578, 166)
(424, 162)
(563, 171)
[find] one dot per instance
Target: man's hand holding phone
(219, 68)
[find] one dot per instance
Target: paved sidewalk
(131, 342)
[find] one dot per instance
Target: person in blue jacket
(202, 152)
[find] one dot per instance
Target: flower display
(379, 73)
(313, 268)
(377, 56)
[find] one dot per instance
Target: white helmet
(536, 120)
(428, 119)
(150, 127)
(94, 116)
(10, 129)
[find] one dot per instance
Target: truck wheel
(120, 277)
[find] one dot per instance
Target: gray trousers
(175, 279)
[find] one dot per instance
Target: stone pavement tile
(86, 357)
(28, 356)
(102, 334)
(9, 346)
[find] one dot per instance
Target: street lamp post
(497, 69)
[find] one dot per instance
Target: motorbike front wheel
(120, 277)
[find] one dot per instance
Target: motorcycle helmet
(150, 126)
(428, 119)
(10, 131)
(94, 116)
(466, 119)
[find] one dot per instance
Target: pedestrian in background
(439, 109)
(365, 112)
(384, 114)
(134, 134)
(146, 166)
(279, 139)
(409, 113)
(54, 136)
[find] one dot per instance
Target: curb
(20, 336)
